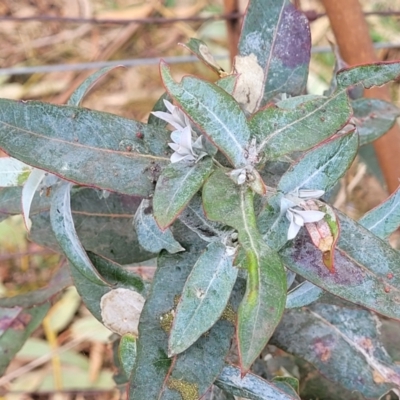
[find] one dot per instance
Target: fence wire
(137, 62)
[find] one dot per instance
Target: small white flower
(184, 148)
(176, 117)
(293, 207)
(298, 218)
(238, 175)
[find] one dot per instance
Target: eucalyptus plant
(227, 186)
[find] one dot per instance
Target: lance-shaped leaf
(368, 75)
(287, 384)
(82, 90)
(16, 325)
(214, 111)
(303, 295)
(363, 263)
(274, 53)
(322, 166)
(343, 344)
(324, 233)
(251, 386)
(215, 393)
(281, 131)
(203, 53)
(156, 376)
(204, 296)
(84, 146)
(264, 300)
(58, 282)
(384, 219)
(103, 225)
(13, 172)
(373, 118)
(150, 236)
(64, 230)
(194, 218)
(176, 186)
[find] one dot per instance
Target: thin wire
(152, 20)
(311, 15)
(142, 61)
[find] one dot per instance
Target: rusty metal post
(352, 36)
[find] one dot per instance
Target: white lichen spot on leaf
(120, 310)
(250, 83)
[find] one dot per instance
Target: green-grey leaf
(204, 296)
(214, 111)
(177, 184)
(85, 146)
(127, 352)
(250, 386)
(343, 344)
(150, 236)
(303, 295)
(279, 131)
(203, 53)
(104, 225)
(321, 167)
(273, 224)
(373, 118)
(368, 75)
(64, 230)
(384, 219)
(81, 91)
(274, 49)
(16, 325)
(363, 264)
(228, 83)
(156, 377)
(194, 218)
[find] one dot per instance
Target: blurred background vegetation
(84, 370)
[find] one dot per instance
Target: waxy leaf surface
(322, 166)
(150, 236)
(363, 264)
(64, 230)
(194, 218)
(343, 344)
(84, 88)
(303, 295)
(178, 183)
(368, 75)
(250, 386)
(155, 376)
(384, 219)
(200, 49)
(214, 111)
(264, 300)
(274, 48)
(204, 296)
(89, 147)
(104, 225)
(373, 118)
(281, 131)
